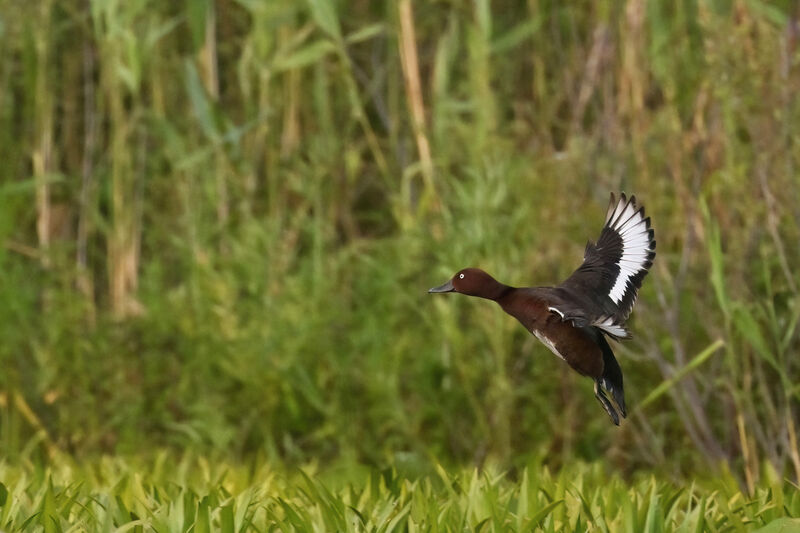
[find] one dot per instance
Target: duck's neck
(497, 291)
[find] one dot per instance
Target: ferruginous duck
(574, 318)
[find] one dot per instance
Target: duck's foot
(607, 405)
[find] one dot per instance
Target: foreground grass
(195, 494)
(250, 199)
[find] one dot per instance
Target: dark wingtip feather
(620, 399)
(611, 206)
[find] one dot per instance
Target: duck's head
(472, 282)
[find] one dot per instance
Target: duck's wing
(603, 290)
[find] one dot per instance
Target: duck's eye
(461, 276)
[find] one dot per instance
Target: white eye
(461, 276)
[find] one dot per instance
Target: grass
(219, 220)
(197, 494)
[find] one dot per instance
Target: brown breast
(576, 346)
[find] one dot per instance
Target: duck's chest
(574, 345)
(533, 314)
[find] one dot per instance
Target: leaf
(654, 520)
(226, 519)
(197, 13)
(717, 260)
(292, 515)
(701, 516)
(781, 525)
(403, 513)
(203, 521)
(512, 38)
(542, 513)
(3, 494)
(522, 498)
(367, 32)
(201, 105)
(307, 55)
(48, 517)
(130, 525)
(479, 526)
(324, 14)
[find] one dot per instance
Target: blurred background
(220, 219)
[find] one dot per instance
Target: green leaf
(401, 515)
(781, 525)
(134, 524)
(515, 36)
(48, 516)
(541, 514)
(201, 105)
(367, 32)
(203, 522)
(197, 13)
(717, 260)
(522, 498)
(304, 56)
(701, 516)
(226, 519)
(654, 520)
(292, 515)
(324, 14)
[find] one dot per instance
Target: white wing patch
(607, 324)
(631, 225)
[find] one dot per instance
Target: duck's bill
(447, 287)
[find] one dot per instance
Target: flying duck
(574, 318)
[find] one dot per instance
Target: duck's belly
(574, 346)
(547, 342)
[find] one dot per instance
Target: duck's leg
(606, 403)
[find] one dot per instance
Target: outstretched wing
(603, 290)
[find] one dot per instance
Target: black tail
(611, 379)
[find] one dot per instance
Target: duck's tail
(611, 380)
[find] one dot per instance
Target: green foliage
(218, 222)
(194, 494)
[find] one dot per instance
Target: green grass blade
(665, 385)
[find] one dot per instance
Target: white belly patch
(547, 342)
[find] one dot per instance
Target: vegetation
(195, 494)
(219, 220)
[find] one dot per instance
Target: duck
(576, 319)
